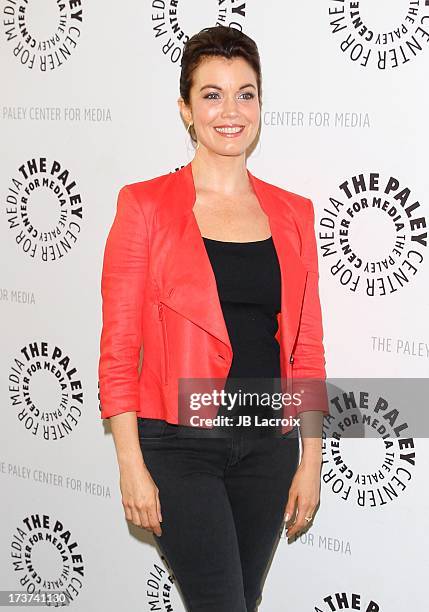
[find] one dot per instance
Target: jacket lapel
(188, 284)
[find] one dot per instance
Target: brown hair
(222, 41)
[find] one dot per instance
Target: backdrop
(88, 104)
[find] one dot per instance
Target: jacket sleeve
(123, 280)
(309, 354)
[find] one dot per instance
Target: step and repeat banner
(88, 104)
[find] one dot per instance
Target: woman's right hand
(140, 497)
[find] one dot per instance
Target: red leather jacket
(159, 292)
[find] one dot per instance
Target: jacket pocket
(166, 358)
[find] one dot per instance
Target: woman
(214, 273)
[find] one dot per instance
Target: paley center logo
(160, 590)
(344, 600)
(44, 209)
(373, 234)
(45, 390)
(368, 450)
(42, 37)
(174, 22)
(383, 35)
(46, 558)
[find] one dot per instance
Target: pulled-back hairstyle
(222, 41)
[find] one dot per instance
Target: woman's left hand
(304, 492)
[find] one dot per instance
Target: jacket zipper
(165, 342)
(291, 360)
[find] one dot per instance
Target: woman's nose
(229, 105)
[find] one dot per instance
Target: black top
(249, 286)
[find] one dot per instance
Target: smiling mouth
(230, 131)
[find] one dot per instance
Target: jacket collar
(188, 284)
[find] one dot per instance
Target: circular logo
(369, 34)
(46, 559)
(161, 593)
(368, 471)
(373, 234)
(42, 39)
(172, 22)
(44, 209)
(344, 600)
(46, 391)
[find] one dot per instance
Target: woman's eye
(213, 93)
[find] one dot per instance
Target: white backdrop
(88, 104)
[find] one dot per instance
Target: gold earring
(189, 125)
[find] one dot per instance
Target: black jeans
(222, 503)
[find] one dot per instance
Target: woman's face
(224, 93)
